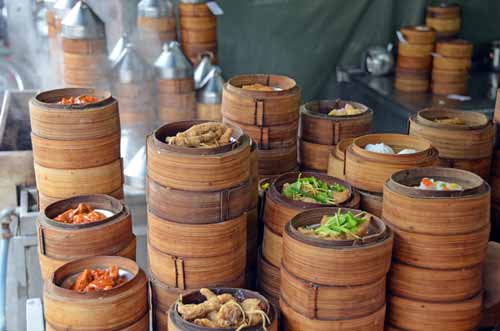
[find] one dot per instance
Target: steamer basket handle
(264, 138)
(408, 123)
(312, 297)
(180, 279)
(259, 112)
(345, 161)
(224, 205)
(336, 132)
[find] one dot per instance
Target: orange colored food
(91, 280)
(258, 87)
(79, 100)
(80, 215)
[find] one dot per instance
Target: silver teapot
(378, 60)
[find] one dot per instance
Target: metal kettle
(378, 60)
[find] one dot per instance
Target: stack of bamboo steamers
(451, 67)
(269, 117)
(415, 59)
(321, 133)
(197, 215)
(84, 47)
(441, 239)
(76, 148)
(198, 29)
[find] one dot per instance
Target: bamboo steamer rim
(317, 109)
(474, 120)
(341, 148)
(97, 201)
(457, 41)
(313, 216)
(196, 297)
(50, 99)
(399, 182)
(277, 182)
(171, 129)
(288, 85)
(72, 269)
(422, 146)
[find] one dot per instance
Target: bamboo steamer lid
(369, 170)
(472, 140)
(261, 108)
(89, 121)
(177, 323)
(207, 169)
(356, 262)
(320, 128)
(293, 321)
(455, 48)
(421, 316)
(114, 309)
(419, 34)
(435, 285)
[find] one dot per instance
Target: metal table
(392, 107)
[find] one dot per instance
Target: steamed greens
(313, 190)
(341, 226)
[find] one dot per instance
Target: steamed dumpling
(379, 148)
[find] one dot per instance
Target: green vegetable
(311, 189)
(339, 224)
(264, 186)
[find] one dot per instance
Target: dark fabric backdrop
(307, 39)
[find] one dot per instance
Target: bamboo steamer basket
(429, 212)
(261, 108)
(268, 279)
(84, 46)
(83, 63)
(49, 264)
(63, 183)
(458, 48)
(163, 296)
(415, 50)
(279, 210)
(314, 156)
(74, 241)
(198, 207)
(205, 36)
(319, 128)
(472, 141)
(177, 323)
(419, 86)
(419, 34)
(75, 154)
(272, 247)
(194, 9)
(444, 11)
(293, 321)
(270, 137)
(208, 112)
(445, 27)
(206, 169)
(175, 86)
(141, 325)
(449, 88)
(173, 114)
(163, 23)
(277, 161)
(252, 238)
(254, 177)
(435, 285)
(440, 251)
(422, 316)
(371, 202)
(195, 272)
(50, 120)
(198, 23)
(336, 159)
(452, 63)
(115, 309)
(415, 63)
(194, 240)
(449, 77)
(336, 263)
(369, 170)
(317, 301)
(178, 101)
